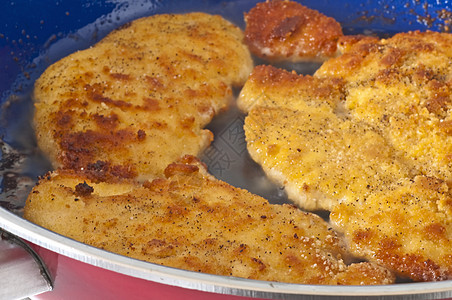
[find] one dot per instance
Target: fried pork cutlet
(281, 30)
(299, 131)
(403, 86)
(192, 221)
(138, 99)
(367, 137)
(406, 227)
(286, 30)
(396, 93)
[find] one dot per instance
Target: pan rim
(206, 282)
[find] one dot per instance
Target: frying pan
(33, 35)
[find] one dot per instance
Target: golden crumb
(368, 136)
(287, 30)
(139, 99)
(192, 221)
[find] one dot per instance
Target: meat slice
(367, 137)
(406, 227)
(192, 221)
(139, 99)
(282, 30)
(403, 86)
(300, 132)
(286, 30)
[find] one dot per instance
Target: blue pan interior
(29, 28)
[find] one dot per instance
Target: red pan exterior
(76, 280)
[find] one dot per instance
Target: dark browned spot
(210, 241)
(286, 27)
(79, 148)
(434, 231)
(175, 210)
(423, 74)
(388, 76)
(103, 171)
(64, 119)
(423, 47)
(95, 93)
(446, 126)
(150, 104)
(241, 249)
(188, 122)
(83, 189)
(392, 57)
(73, 103)
(363, 236)
(389, 244)
(154, 83)
(124, 171)
(98, 167)
(438, 104)
(158, 248)
(106, 122)
(261, 265)
(141, 135)
(416, 267)
(190, 159)
(120, 76)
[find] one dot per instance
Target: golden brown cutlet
(192, 221)
(403, 86)
(299, 131)
(286, 30)
(282, 30)
(139, 99)
(368, 137)
(406, 227)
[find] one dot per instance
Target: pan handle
(22, 272)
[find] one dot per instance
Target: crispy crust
(287, 30)
(192, 221)
(138, 100)
(376, 151)
(403, 85)
(300, 132)
(406, 227)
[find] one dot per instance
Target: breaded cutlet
(283, 30)
(367, 137)
(403, 86)
(192, 221)
(406, 227)
(286, 30)
(394, 98)
(300, 132)
(139, 99)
